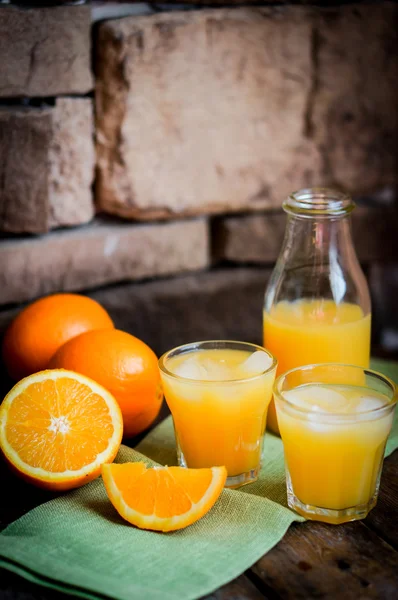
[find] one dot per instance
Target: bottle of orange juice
(317, 304)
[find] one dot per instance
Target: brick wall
(137, 144)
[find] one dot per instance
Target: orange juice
(315, 331)
(219, 400)
(334, 438)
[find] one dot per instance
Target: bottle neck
(317, 241)
(318, 260)
(318, 228)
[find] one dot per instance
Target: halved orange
(162, 498)
(57, 428)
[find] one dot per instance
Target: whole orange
(44, 326)
(124, 365)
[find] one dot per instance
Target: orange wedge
(162, 498)
(57, 428)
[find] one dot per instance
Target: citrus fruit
(124, 365)
(57, 428)
(43, 326)
(162, 498)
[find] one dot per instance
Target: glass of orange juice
(334, 422)
(218, 393)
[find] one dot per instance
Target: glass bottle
(317, 303)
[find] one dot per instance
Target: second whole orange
(124, 365)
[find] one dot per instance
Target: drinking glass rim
(194, 346)
(346, 416)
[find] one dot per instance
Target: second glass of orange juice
(334, 421)
(317, 304)
(218, 393)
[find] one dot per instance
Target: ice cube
(366, 403)
(191, 369)
(257, 363)
(216, 370)
(317, 399)
(296, 398)
(324, 399)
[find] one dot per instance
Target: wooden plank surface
(315, 560)
(383, 518)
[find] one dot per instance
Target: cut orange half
(57, 428)
(162, 498)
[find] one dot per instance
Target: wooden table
(355, 561)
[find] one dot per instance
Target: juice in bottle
(218, 394)
(305, 332)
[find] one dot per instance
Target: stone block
(46, 166)
(98, 254)
(202, 112)
(258, 238)
(352, 110)
(250, 238)
(45, 51)
(232, 109)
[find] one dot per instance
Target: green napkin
(79, 545)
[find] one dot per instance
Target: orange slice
(57, 428)
(162, 498)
